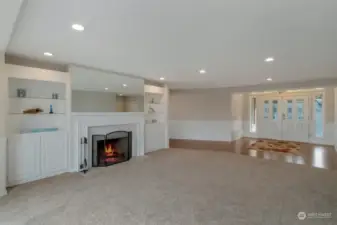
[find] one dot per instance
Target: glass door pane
(300, 109)
(266, 109)
(275, 109)
(289, 112)
(318, 108)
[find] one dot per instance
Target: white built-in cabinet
(37, 145)
(54, 153)
(24, 163)
(154, 137)
(156, 124)
(36, 156)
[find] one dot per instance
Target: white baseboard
(3, 166)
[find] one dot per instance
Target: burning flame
(109, 150)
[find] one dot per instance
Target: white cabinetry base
(154, 137)
(36, 156)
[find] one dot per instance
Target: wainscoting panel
(217, 130)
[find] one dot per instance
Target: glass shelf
(26, 98)
(155, 103)
(36, 114)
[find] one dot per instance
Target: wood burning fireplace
(112, 148)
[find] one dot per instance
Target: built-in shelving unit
(154, 104)
(38, 94)
(155, 117)
(37, 144)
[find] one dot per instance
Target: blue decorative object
(51, 110)
(39, 130)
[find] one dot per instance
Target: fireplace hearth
(112, 148)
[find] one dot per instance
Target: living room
(170, 112)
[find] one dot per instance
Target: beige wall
(215, 104)
(90, 101)
(120, 104)
(203, 113)
(202, 104)
(200, 115)
(134, 103)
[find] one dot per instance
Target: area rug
(276, 146)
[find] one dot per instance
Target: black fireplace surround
(112, 148)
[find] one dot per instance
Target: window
(318, 108)
(300, 107)
(266, 109)
(275, 102)
(253, 114)
(290, 109)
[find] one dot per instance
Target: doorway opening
(294, 115)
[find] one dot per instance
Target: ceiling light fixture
(78, 27)
(120, 94)
(202, 71)
(162, 78)
(125, 85)
(48, 54)
(269, 79)
(269, 59)
(106, 89)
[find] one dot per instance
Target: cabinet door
(54, 153)
(154, 137)
(23, 158)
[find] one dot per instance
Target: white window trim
(313, 115)
(251, 129)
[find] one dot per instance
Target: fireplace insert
(112, 148)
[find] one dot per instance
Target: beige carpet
(178, 187)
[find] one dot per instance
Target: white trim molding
(3, 166)
(206, 130)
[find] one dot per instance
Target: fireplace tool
(84, 164)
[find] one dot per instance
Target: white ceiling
(176, 38)
(9, 10)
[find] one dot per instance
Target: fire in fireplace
(115, 147)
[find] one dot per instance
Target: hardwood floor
(318, 156)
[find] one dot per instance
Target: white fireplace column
(3, 138)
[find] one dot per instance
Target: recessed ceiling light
(78, 27)
(125, 85)
(269, 79)
(106, 89)
(162, 78)
(202, 71)
(48, 54)
(120, 94)
(269, 59)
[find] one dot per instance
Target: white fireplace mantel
(82, 122)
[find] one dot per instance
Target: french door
(283, 118)
(295, 118)
(269, 123)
